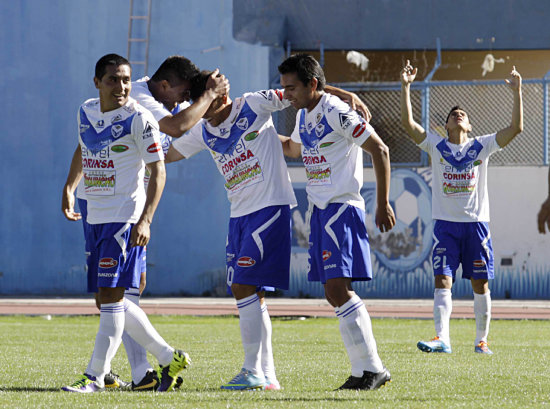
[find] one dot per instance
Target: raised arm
(177, 125)
(290, 148)
(413, 128)
(141, 232)
(385, 217)
(73, 178)
(505, 136)
(351, 99)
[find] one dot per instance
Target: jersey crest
(310, 138)
(464, 162)
(96, 141)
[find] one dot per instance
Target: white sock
(482, 311)
(141, 330)
(443, 306)
(107, 340)
(137, 355)
(250, 321)
(268, 366)
(356, 330)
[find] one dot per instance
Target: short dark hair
(455, 108)
(306, 68)
(176, 69)
(109, 59)
(198, 84)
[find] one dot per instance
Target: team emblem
(319, 130)
(242, 124)
(116, 130)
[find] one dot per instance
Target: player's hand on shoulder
(543, 218)
(358, 105)
(515, 79)
(408, 73)
(384, 218)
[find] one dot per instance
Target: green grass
(40, 356)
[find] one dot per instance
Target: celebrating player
(330, 136)
(119, 216)
(460, 208)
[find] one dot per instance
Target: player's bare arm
(291, 149)
(177, 125)
(506, 135)
(173, 155)
(543, 218)
(351, 99)
(385, 217)
(141, 232)
(74, 176)
(415, 131)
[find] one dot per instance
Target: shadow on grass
(27, 389)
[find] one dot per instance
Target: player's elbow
(380, 152)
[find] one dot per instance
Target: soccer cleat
(168, 374)
(245, 380)
(435, 345)
(86, 384)
(150, 382)
(272, 384)
(113, 381)
(483, 348)
(369, 381)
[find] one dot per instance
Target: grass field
(40, 356)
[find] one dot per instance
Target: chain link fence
(488, 104)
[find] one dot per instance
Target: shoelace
(81, 382)
(239, 376)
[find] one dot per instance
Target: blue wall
(49, 50)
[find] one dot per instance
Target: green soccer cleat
(168, 375)
(86, 384)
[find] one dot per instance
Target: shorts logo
(326, 255)
(242, 124)
(119, 148)
(479, 263)
(107, 262)
(246, 261)
(359, 129)
(117, 130)
(154, 147)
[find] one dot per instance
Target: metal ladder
(138, 37)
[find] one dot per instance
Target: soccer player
(166, 96)
(330, 136)
(543, 217)
(119, 216)
(460, 208)
(244, 144)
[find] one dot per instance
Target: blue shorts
(258, 248)
(113, 263)
(468, 244)
(339, 244)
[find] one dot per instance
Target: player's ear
(313, 84)
(96, 82)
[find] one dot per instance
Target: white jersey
(247, 152)
(116, 145)
(331, 135)
(459, 185)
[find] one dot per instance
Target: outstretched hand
(408, 73)
(515, 79)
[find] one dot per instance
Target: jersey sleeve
(295, 136)
(191, 142)
(150, 103)
(430, 141)
(268, 100)
(489, 143)
(145, 130)
(349, 123)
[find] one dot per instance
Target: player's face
(114, 87)
(170, 96)
(299, 95)
(458, 119)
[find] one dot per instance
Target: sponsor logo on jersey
(119, 148)
(326, 255)
(251, 136)
(98, 163)
(84, 128)
(211, 142)
(478, 162)
(319, 130)
(116, 118)
(107, 262)
(100, 123)
(116, 130)
(302, 128)
(154, 147)
(325, 145)
(242, 124)
(312, 160)
(223, 131)
(148, 131)
(479, 263)
(230, 257)
(246, 261)
(459, 176)
(345, 120)
(244, 156)
(318, 117)
(359, 129)
(440, 250)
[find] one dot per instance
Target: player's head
(198, 86)
(457, 119)
(173, 81)
(113, 79)
(302, 78)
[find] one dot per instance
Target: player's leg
(267, 361)
(479, 267)
(445, 261)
